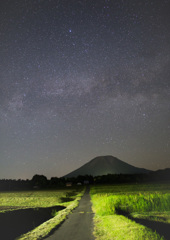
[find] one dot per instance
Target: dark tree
(39, 181)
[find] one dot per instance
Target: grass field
(68, 197)
(118, 207)
(37, 198)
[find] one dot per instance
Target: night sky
(80, 79)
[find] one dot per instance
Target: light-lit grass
(131, 188)
(153, 216)
(140, 201)
(121, 228)
(34, 198)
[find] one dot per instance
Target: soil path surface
(79, 225)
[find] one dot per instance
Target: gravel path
(79, 225)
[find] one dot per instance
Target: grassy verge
(109, 201)
(121, 228)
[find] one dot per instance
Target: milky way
(79, 79)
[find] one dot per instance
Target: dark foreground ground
(79, 225)
(15, 223)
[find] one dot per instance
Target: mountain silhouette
(104, 165)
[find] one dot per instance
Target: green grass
(154, 216)
(119, 227)
(130, 188)
(68, 197)
(140, 201)
(34, 198)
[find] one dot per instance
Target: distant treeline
(12, 185)
(41, 181)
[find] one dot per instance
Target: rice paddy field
(13, 204)
(131, 211)
(34, 199)
(121, 212)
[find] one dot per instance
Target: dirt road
(79, 225)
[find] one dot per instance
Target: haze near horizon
(80, 79)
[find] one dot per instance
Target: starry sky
(80, 79)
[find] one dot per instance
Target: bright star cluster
(81, 78)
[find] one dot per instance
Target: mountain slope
(104, 165)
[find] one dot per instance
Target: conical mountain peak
(104, 165)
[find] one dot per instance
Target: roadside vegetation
(117, 207)
(67, 197)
